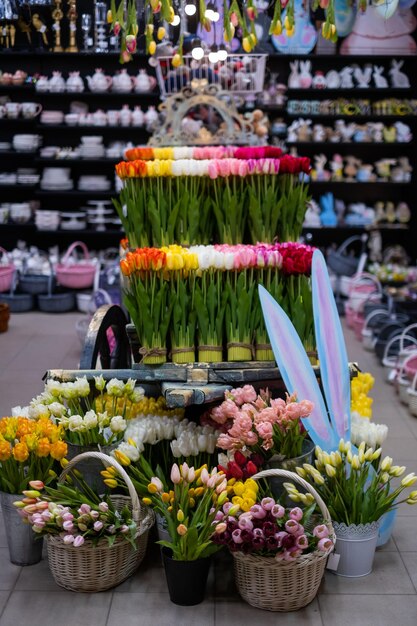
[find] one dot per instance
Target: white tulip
(118, 424)
(90, 420)
(82, 386)
(75, 422)
(115, 387)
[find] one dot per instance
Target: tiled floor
(37, 342)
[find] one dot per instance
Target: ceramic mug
(31, 109)
(12, 109)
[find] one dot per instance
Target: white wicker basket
(274, 585)
(362, 286)
(240, 74)
(412, 397)
(368, 339)
(91, 568)
(402, 381)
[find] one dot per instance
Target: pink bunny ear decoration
(296, 371)
(331, 348)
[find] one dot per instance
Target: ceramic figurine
(346, 131)
(319, 80)
(401, 173)
(403, 213)
(377, 132)
(390, 212)
(333, 79)
(336, 165)
(312, 216)
(320, 173)
(328, 216)
(294, 77)
(379, 80)
(361, 134)
(56, 83)
(383, 168)
(304, 130)
(398, 79)
(305, 77)
(292, 131)
(404, 134)
(380, 212)
(365, 173)
(351, 168)
(390, 134)
(75, 83)
(99, 82)
(363, 76)
(346, 80)
(319, 134)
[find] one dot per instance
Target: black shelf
(348, 227)
(316, 145)
(356, 92)
(337, 183)
(90, 128)
(75, 193)
(77, 161)
(336, 116)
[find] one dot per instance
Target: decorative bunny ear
(331, 348)
(296, 370)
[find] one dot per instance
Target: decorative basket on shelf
(265, 583)
(90, 568)
(6, 273)
(76, 275)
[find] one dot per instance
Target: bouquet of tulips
(265, 528)
(75, 516)
(353, 491)
(189, 502)
(88, 416)
(28, 450)
(258, 423)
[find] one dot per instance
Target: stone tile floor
(36, 342)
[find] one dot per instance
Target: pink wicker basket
(76, 275)
(6, 273)
(358, 324)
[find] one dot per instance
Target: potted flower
(272, 429)
(29, 450)
(189, 503)
(357, 496)
(279, 554)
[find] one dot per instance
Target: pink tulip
(131, 43)
(296, 514)
(68, 539)
(68, 526)
(98, 526)
(84, 508)
(212, 170)
(258, 512)
(268, 503)
(292, 527)
(36, 484)
(236, 536)
(175, 474)
(104, 507)
(302, 542)
(245, 523)
(78, 541)
(325, 544)
(278, 511)
(321, 531)
(124, 529)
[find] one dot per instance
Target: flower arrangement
(259, 423)
(88, 416)
(353, 491)
(266, 528)
(208, 295)
(262, 196)
(202, 153)
(29, 450)
(189, 503)
(75, 516)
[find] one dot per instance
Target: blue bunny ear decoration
(330, 419)
(331, 348)
(296, 371)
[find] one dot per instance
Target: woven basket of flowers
(94, 544)
(278, 562)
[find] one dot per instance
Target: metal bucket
(355, 544)
(24, 547)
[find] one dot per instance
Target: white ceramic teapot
(99, 81)
(75, 83)
(42, 84)
(138, 117)
(144, 82)
(123, 82)
(56, 84)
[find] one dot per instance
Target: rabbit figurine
(398, 79)
(346, 81)
(305, 77)
(294, 77)
(364, 76)
(379, 80)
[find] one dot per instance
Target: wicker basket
(412, 397)
(274, 585)
(76, 275)
(96, 568)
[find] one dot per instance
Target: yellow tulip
(180, 515)
(122, 458)
(277, 30)
(110, 482)
(147, 501)
(290, 32)
(330, 470)
(152, 47)
(246, 44)
(301, 472)
(176, 60)
(409, 480)
(160, 33)
(386, 464)
(182, 529)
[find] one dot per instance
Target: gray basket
(34, 283)
(18, 302)
(56, 302)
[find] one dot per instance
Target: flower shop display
(358, 492)
(94, 542)
(29, 451)
(262, 196)
(279, 554)
(206, 296)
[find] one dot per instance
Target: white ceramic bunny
(363, 77)
(292, 131)
(294, 77)
(380, 80)
(346, 81)
(398, 79)
(305, 77)
(404, 134)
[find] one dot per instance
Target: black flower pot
(187, 580)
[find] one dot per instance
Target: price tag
(90, 41)
(72, 27)
(333, 561)
(42, 28)
(56, 27)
